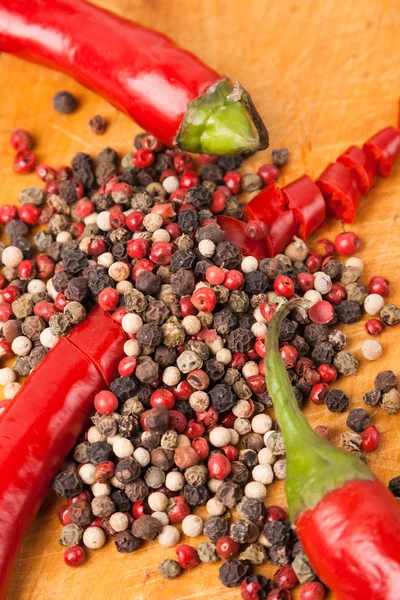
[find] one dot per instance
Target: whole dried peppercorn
(75, 312)
(42, 240)
(215, 528)
(15, 229)
(239, 471)
(128, 426)
(323, 353)
(256, 282)
(13, 328)
(212, 172)
(314, 333)
(390, 314)
(233, 572)
(196, 495)
(99, 452)
(334, 268)
(183, 259)
(277, 532)
(222, 397)
(64, 102)
(386, 381)
(372, 397)
(348, 311)
(22, 307)
(227, 255)
(149, 335)
(241, 531)
(301, 346)
(169, 569)
(154, 477)
(337, 339)
(68, 192)
(280, 157)
(26, 248)
(358, 420)
(199, 348)
(183, 283)
(162, 458)
(60, 280)
(337, 401)
(148, 283)
(210, 232)
(22, 366)
(164, 356)
(37, 354)
(119, 251)
(229, 493)
(121, 500)
(233, 207)
(207, 552)
(134, 301)
(146, 528)
(356, 293)
(127, 470)
(394, 486)
(225, 321)
(256, 554)
(67, 484)
(214, 369)
(106, 425)
(239, 301)
(253, 441)
(80, 513)
(240, 340)
(188, 221)
(251, 509)
(156, 419)
(59, 324)
(198, 196)
(126, 542)
(350, 441)
(345, 363)
(156, 312)
(302, 568)
(147, 371)
(196, 475)
(391, 401)
(124, 388)
(99, 282)
(71, 535)
(288, 330)
(137, 490)
(279, 555)
(77, 289)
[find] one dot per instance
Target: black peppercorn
(301, 345)
(358, 420)
(126, 542)
(67, 484)
(252, 509)
(80, 513)
(64, 102)
(280, 157)
(77, 289)
(148, 283)
(386, 381)
(314, 333)
(22, 366)
(183, 259)
(256, 282)
(196, 495)
(222, 397)
(15, 229)
(394, 486)
(188, 220)
(128, 426)
(212, 173)
(239, 471)
(198, 196)
(214, 369)
(277, 532)
(121, 500)
(249, 457)
(149, 335)
(372, 397)
(127, 470)
(229, 493)
(233, 572)
(215, 528)
(124, 388)
(323, 353)
(337, 401)
(225, 321)
(99, 282)
(99, 452)
(288, 330)
(240, 340)
(146, 528)
(348, 311)
(241, 531)
(334, 268)
(279, 555)
(228, 255)
(210, 232)
(230, 163)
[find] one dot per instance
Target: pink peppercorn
(379, 285)
(185, 457)
(177, 509)
(328, 373)
(374, 327)
(21, 139)
(108, 298)
(319, 392)
(219, 466)
(187, 556)
(143, 158)
(279, 594)
(29, 214)
(105, 402)
(127, 366)
(305, 281)
(275, 513)
(189, 179)
(200, 445)
(233, 181)
(268, 173)
(288, 354)
(74, 556)
(313, 590)
(371, 438)
(347, 243)
(45, 173)
(8, 213)
(24, 162)
(286, 578)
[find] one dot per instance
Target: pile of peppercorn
(184, 425)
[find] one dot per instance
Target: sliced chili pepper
(362, 165)
(165, 89)
(341, 192)
(307, 203)
(269, 206)
(235, 233)
(40, 426)
(384, 148)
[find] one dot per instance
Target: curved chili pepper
(341, 192)
(362, 165)
(346, 520)
(235, 233)
(269, 206)
(307, 203)
(384, 148)
(165, 89)
(42, 423)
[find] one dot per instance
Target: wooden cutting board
(324, 75)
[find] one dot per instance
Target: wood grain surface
(324, 74)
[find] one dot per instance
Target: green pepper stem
(314, 466)
(223, 121)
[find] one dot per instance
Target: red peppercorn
(204, 299)
(327, 373)
(45, 173)
(374, 327)
(177, 421)
(227, 547)
(52, 187)
(61, 301)
(9, 294)
(218, 202)
(166, 211)
(179, 510)
(183, 391)
(305, 281)
(85, 496)
(5, 349)
(233, 279)
(174, 230)
(45, 266)
(268, 173)
(21, 139)
(275, 513)
(182, 160)
(187, 307)
(140, 508)
(252, 354)
(208, 159)
(347, 243)
(200, 445)
(45, 309)
(152, 143)
(370, 438)
(219, 466)
(312, 376)
(321, 312)
(194, 429)
(8, 213)
(284, 286)
(319, 392)
(164, 397)
(250, 590)
(127, 366)
(29, 214)
(63, 514)
(138, 248)
(105, 402)
(117, 219)
(337, 294)
(24, 162)
(233, 181)
(256, 230)
(108, 298)
(187, 556)
(143, 158)
(313, 590)
(77, 229)
(256, 383)
(379, 285)
(238, 360)
(64, 172)
(177, 195)
(119, 314)
(134, 221)
(74, 556)
(267, 310)
(209, 417)
(286, 578)
(325, 247)
(231, 452)
(141, 266)
(289, 355)
(279, 594)
(189, 179)
(104, 470)
(84, 207)
(161, 253)
(314, 263)
(259, 346)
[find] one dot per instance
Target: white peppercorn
(7, 375)
(142, 456)
(259, 329)
(265, 457)
(250, 369)
(119, 521)
(47, 338)
(215, 507)
(182, 441)
(249, 264)
(123, 448)
(191, 324)
(124, 286)
(219, 437)
(353, 261)
(11, 389)
(322, 282)
(192, 525)
(105, 260)
(174, 481)
(263, 474)
(214, 484)
(100, 489)
(280, 469)
(254, 489)
(93, 436)
(21, 345)
(87, 473)
(152, 222)
(160, 235)
(94, 538)
(242, 426)
(132, 348)
(224, 356)
(171, 376)
(131, 323)
(158, 501)
(199, 401)
(261, 423)
(234, 437)
(312, 296)
(162, 517)
(373, 304)
(169, 536)
(371, 349)
(206, 248)
(11, 256)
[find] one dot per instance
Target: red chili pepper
(384, 148)
(165, 89)
(341, 192)
(235, 233)
(41, 424)
(362, 165)
(307, 203)
(346, 520)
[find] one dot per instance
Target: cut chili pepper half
(341, 192)
(321, 312)
(235, 233)
(362, 165)
(384, 148)
(304, 198)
